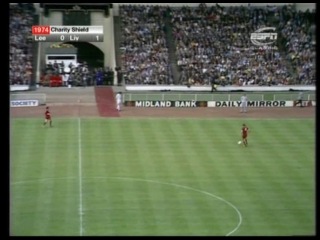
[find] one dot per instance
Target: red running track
(106, 103)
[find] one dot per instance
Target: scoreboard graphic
(67, 33)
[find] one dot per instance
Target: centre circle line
(152, 181)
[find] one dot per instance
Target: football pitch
(162, 177)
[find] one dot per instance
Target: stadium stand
(145, 58)
(20, 47)
(201, 45)
(212, 45)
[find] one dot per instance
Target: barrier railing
(133, 96)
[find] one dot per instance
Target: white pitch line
(151, 181)
(185, 187)
(39, 180)
(80, 176)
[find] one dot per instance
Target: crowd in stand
(213, 45)
(20, 47)
(145, 58)
(74, 75)
(77, 75)
(298, 30)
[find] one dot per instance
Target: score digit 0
(62, 37)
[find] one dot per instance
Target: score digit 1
(40, 30)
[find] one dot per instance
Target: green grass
(162, 177)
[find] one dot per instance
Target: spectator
(145, 58)
(20, 48)
(214, 41)
(298, 32)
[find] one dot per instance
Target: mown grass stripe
(178, 147)
(270, 191)
(140, 206)
(275, 168)
(271, 182)
(23, 201)
(160, 143)
(153, 165)
(204, 211)
(97, 158)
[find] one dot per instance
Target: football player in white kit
(119, 100)
(244, 103)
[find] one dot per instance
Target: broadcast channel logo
(264, 36)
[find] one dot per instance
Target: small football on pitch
(239, 142)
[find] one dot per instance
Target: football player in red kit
(47, 117)
(244, 133)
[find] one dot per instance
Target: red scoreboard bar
(40, 30)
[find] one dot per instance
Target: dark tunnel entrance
(89, 53)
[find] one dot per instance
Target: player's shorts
(243, 104)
